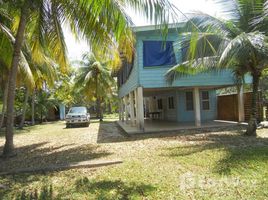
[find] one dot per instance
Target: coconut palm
(100, 22)
(94, 80)
(6, 48)
(44, 73)
(238, 43)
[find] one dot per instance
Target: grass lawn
(217, 164)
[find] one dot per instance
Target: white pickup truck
(77, 116)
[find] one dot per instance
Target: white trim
(156, 27)
(131, 102)
(241, 111)
(207, 100)
(197, 109)
(126, 108)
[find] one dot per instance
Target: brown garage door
(228, 107)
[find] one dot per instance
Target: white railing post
(241, 112)
(197, 107)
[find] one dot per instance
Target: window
(171, 102)
(158, 53)
(189, 101)
(205, 100)
(159, 104)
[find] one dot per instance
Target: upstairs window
(171, 102)
(189, 101)
(158, 53)
(205, 100)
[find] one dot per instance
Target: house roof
(156, 27)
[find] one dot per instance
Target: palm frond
(248, 49)
(189, 68)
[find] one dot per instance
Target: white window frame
(205, 100)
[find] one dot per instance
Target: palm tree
(94, 80)
(45, 75)
(239, 43)
(4, 97)
(100, 22)
(6, 48)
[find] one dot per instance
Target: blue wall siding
(184, 115)
(154, 77)
(132, 81)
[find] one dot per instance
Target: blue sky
(77, 48)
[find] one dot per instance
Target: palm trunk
(9, 144)
(99, 108)
(41, 116)
(98, 99)
(33, 119)
(252, 125)
(4, 106)
(24, 108)
(109, 107)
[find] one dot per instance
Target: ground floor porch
(150, 110)
(158, 126)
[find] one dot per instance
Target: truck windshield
(78, 110)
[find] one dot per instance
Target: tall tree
(6, 48)
(100, 22)
(239, 43)
(94, 80)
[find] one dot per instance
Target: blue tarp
(158, 53)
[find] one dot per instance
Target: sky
(77, 48)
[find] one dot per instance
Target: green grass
(112, 116)
(221, 164)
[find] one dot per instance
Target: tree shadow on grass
(113, 189)
(242, 153)
(43, 155)
(84, 187)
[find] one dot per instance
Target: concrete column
(135, 104)
(241, 111)
(126, 108)
(131, 103)
(122, 110)
(140, 109)
(197, 107)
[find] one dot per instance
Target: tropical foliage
(33, 29)
(239, 43)
(94, 80)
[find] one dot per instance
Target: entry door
(165, 105)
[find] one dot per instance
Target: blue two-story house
(144, 92)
